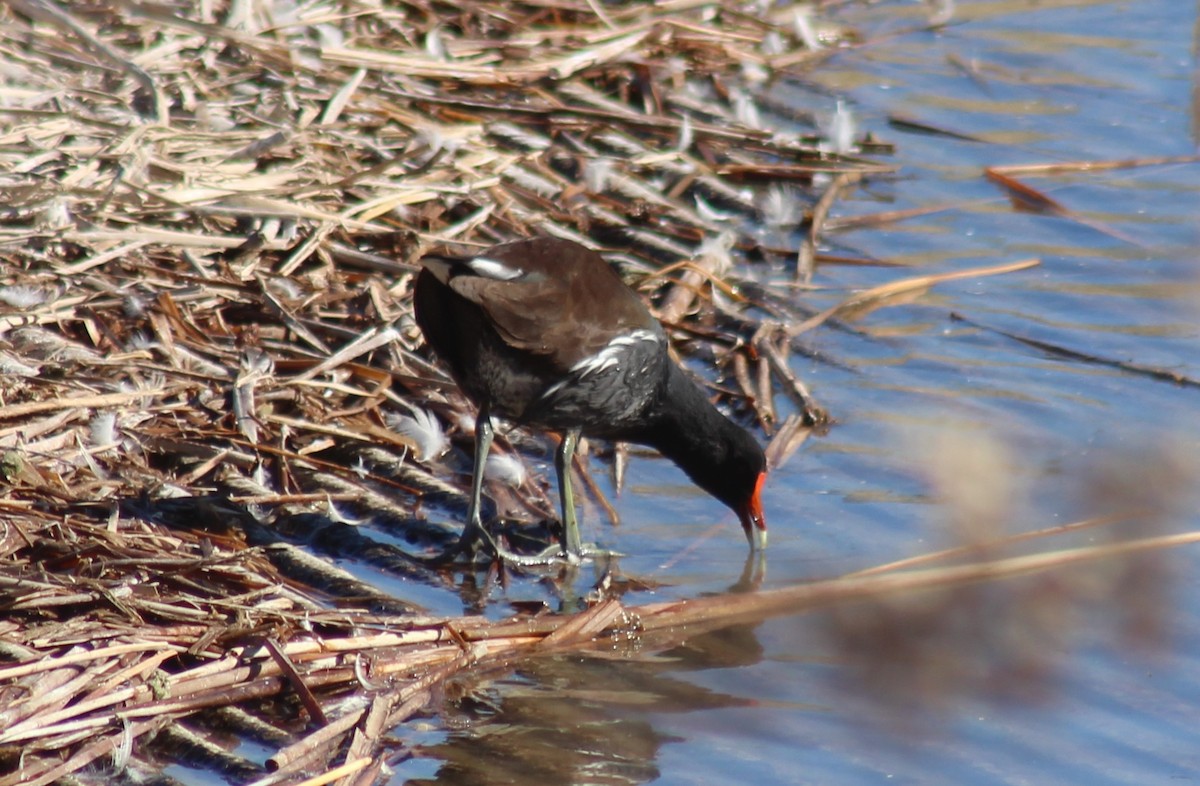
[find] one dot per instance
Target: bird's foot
(474, 546)
(593, 551)
(558, 555)
(477, 546)
(553, 556)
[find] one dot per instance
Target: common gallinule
(543, 332)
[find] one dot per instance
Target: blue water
(784, 702)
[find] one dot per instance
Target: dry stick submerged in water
(1154, 372)
(903, 291)
(806, 260)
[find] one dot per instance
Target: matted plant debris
(209, 215)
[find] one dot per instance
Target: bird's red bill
(752, 515)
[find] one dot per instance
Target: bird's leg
(571, 545)
(473, 533)
(571, 548)
(483, 443)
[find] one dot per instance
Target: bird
(543, 332)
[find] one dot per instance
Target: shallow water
(827, 698)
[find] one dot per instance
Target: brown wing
(551, 297)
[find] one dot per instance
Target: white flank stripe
(611, 354)
(595, 363)
(605, 358)
(490, 268)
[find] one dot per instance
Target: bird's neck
(690, 431)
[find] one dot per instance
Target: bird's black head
(718, 455)
(738, 481)
(729, 464)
